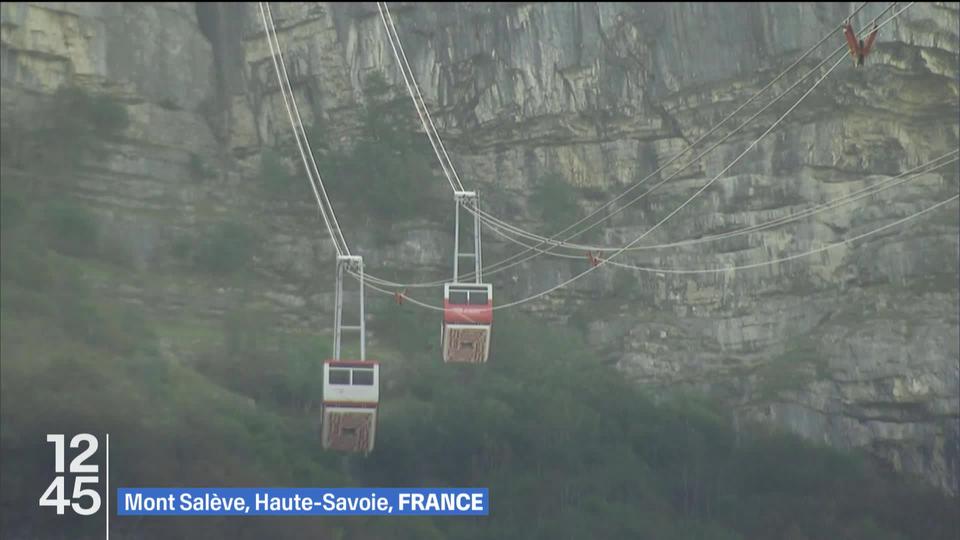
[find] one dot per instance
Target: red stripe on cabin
(355, 404)
(467, 314)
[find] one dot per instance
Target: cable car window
(363, 377)
(478, 298)
(458, 297)
(339, 376)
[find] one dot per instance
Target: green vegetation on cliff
(567, 448)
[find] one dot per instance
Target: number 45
(56, 488)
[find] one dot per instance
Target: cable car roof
(468, 286)
(353, 363)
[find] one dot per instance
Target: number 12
(76, 466)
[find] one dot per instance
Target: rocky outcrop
(856, 347)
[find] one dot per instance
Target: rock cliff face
(855, 347)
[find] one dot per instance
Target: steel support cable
(684, 204)
(608, 260)
(487, 216)
(330, 221)
(306, 142)
(789, 257)
(453, 180)
(821, 63)
(394, 36)
(326, 206)
(862, 193)
(695, 194)
(490, 220)
(821, 249)
(849, 197)
(868, 191)
(316, 193)
(705, 186)
(406, 298)
(508, 262)
(717, 126)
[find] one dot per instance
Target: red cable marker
(594, 261)
(859, 49)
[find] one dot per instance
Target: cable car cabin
(351, 393)
(467, 318)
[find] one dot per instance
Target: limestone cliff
(855, 347)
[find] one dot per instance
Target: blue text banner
(302, 501)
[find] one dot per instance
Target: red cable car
(467, 318)
(467, 307)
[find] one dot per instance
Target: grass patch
(275, 177)
(70, 128)
(199, 169)
(71, 229)
(798, 366)
(227, 249)
(388, 175)
(565, 445)
(555, 201)
(943, 282)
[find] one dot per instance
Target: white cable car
(467, 307)
(351, 394)
(351, 388)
